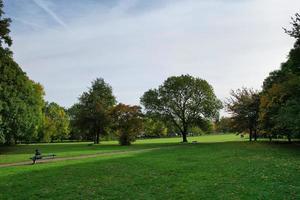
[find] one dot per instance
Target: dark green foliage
(280, 107)
(75, 132)
(92, 112)
(127, 122)
(182, 100)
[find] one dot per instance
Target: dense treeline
(273, 112)
(182, 105)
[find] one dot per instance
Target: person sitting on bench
(36, 156)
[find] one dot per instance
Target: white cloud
(229, 43)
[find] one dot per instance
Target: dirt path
(78, 157)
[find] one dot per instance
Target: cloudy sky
(136, 44)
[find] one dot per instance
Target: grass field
(218, 167)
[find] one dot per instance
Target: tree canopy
(56, 123)
(92, 116)
(183, 100)
(279, 106)
(127, 122)
(21, 99)
(243, 105)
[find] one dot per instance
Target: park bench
(39, 156)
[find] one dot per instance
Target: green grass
(23, 152)
(212, 169)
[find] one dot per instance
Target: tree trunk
(255, 134)
(250, 134)
(184, 139)
(289, 138)
(97, 139)
(270, 138)
(184, 133)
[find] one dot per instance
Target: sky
(136, 44)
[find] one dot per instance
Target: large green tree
(92, 115)
(243, 105)
(279, 107)
(184, 100)
(21, 99)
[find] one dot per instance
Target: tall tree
(279, 107)
(21, 99)
(127, 122)
(243, 105)
(183, 100)
(93, 109)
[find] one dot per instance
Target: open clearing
(218, 167)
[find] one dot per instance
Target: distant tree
(243, 105)
(182, 100)
(225, 125)
(206, 125)
(154, 128)
(56, 123)
(75, 132)
(196, 131)
(92, 116)
(127, 122)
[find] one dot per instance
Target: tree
(56, 123)
(225, 125)
(243, 105)
(21, 99)
(183, 100)
(93, 109)
(75, 132)
(154, 128)
(127, 122)
(21, 102)
(279, 107)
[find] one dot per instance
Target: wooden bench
(40, 157)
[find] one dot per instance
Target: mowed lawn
(218, 167)
(23, 152)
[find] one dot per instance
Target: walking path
(78, 157)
